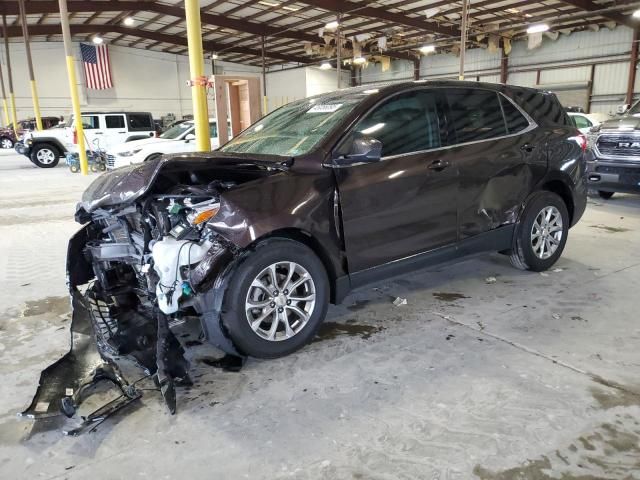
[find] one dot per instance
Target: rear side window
(405, 123)
(140, 122)
(114, 121)
(475, 114)
(213, 130)
(516, 122)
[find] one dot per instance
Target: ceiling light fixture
(129, 21)
(427, 49)
(359, 60)
(268, 4)
(291, 9)
(325, 66)
(332, 25)
(636, 14)
(214, 56)
(97, 40)
(539, 28)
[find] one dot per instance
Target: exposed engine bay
(135, 270)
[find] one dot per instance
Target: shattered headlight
(129, 153)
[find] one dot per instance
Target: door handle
(439, 165)
(528, 147)
(98, 133)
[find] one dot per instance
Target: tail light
(582, 140)
(75, 136)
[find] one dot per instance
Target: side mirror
(189, 137)
(363, 150)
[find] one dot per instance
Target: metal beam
(151, 35)
(590, 6)
(633, 66)
(361, 10)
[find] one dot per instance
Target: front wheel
(6, 142)
(605, 195)
(45, 155)
(542, 233)
(276, 300)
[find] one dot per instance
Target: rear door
(406, 203)
(140, 125)
(92, 125)
(498, 157)
(115, 130)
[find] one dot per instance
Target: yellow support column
(196, 68)
(12, 98)
(32, 79)
(6, 112)
(73, 85)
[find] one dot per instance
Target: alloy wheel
(45, 156)
(280, 301)
(6, 143)
(547, 232)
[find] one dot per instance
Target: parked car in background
(8, 137)
(585, 121)
(102, 130)
(614, 154)
(321, 196)
(179, 138)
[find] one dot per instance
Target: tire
(45, 155)
(236, 314)
(6, 143)
(153, 156)
(93, 167)
(74, 168)
(535, 254)
(605, 195)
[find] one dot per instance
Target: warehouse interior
(464, 368)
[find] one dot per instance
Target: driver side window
(404, 123)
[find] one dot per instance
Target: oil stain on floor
(608, 229)
(449, 297)
(49, 305)
(331, 330)
(610, 452)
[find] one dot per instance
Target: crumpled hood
(626, 122)
(126, 184)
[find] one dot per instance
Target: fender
(51, 140)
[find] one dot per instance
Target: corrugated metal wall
(566, 60)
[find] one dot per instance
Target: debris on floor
(400, 301)
(490, 280)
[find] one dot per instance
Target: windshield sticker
(326, 108)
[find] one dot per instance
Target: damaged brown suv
(321, 196)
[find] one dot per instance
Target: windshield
(294, 129)
(635, 110)
(177, 130)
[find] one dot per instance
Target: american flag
(97, 68)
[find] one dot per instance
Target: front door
(406, 203)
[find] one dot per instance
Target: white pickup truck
(102, 130)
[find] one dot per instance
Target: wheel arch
(304, 237)
(560, 188)
(54, 142)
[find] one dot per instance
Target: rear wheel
(74, 168)
(6, 142)
(276, 300)
(542, 232)
(45, 155)
(605, 195)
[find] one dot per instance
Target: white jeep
(102, 130)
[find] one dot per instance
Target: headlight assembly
(130, 153)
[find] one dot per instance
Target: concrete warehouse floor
(535, 376)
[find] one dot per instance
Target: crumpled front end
(135, 271)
